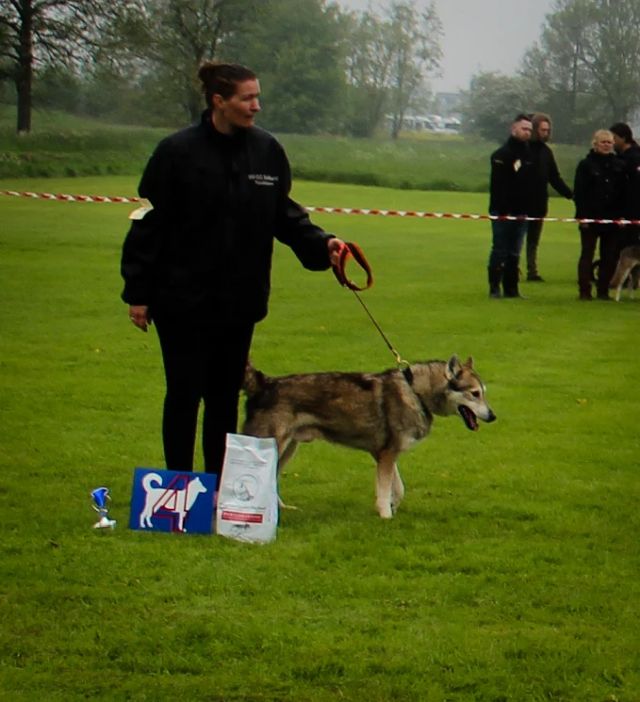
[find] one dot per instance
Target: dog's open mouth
(468, 417)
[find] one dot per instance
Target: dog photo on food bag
(381, 413)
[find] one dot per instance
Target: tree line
(322, 68)
(584, 70)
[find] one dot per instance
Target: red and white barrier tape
(342, 210)
(70, 198)
(453, 215)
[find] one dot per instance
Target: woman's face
(603, 144)
(238, 111)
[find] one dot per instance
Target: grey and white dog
(381, 413)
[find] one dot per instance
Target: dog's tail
(254, 380)
(150, 480)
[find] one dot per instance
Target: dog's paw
(385, 511)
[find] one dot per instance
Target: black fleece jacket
(599, 187)
(218, 202)
(512, 179)
(631, 159)
(545, 173)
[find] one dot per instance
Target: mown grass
(61, 145)
(510, 572)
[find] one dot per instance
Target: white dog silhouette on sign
(170, 499)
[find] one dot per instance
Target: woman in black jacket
(599, 194)
(198, 261)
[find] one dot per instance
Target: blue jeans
(506, 243)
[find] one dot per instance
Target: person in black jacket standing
(197, 262)
(545, 173)
(512, 172)
(599, 192)
(629, 151)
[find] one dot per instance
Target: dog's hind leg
(634, 275)
(623, 279)
(386, 469)
(286, 455)
(397, 489)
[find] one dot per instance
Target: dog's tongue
(468, 417)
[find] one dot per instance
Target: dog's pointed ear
(453, 367)
(468, 363)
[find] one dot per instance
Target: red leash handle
(347, 251)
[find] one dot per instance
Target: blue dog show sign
(172, 501)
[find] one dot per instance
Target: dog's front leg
(384, 484)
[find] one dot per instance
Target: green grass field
(509, 574)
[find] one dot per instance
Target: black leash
(351, 249)
(403, 365)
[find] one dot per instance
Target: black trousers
(203, 361)
(534, 232)
(608, 239)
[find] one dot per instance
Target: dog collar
(408, 376)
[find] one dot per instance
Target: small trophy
(100, 496)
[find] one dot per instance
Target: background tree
(586, 66)
(368, 65)
(297, 49)
(57, 33)
(414, 47)
(491, 102)
(388, 62)
(181, 34)
(610, 54)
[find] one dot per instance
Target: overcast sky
(488, 35)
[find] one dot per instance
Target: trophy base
(105, 523)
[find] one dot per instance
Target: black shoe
(605, 297)
(585, 296)
(535, 278)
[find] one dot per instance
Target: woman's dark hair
(623, 131)
(222, 79)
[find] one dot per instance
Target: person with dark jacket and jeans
(197, 261)
(629, 151)
(598, 192)
(512, 173)
(545, 173)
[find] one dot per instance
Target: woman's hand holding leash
(344, 250)
(334, 247)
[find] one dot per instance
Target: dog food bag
(248, 494)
